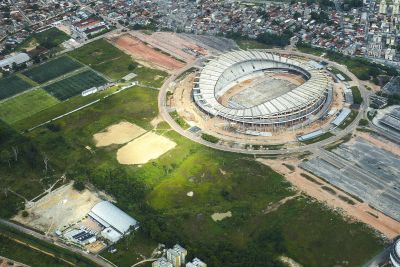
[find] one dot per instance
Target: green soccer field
(74, 85)
(12, 85)
(105, 58)
(25, 105)
(52, 69)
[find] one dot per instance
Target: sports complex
(278, 91)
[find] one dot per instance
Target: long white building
(282, 108)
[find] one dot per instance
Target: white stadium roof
(109, 215)
(221, 73)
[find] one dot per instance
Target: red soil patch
(141, 51)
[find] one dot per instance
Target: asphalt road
(49, 240)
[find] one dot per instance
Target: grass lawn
(75, 84)
(181, 122)
(357, 98)
(25, 105)
(251, 44)
(105, 58)
(114, 63)
(302, 229)
(12, 85)
(52, 69)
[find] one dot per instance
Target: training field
(25, 105)
(52, 69)
(74, 85)
(12, 85)
(105, 58)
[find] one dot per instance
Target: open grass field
(25, 105)
(12, 85)
(105, 58)
(52, 69)
(156, 194)
(112, 62)
(74, 85)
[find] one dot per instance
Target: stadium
(395, 253)
(256, 88)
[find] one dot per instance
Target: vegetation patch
(350, 118)
(178, 119)
(27, 249)
(347, 200)
(105, 58)
(311, 179)
(209, 138)
(329, 189)
(12, 85)
(25, 105)
(74, 85)
(357, 98)
(318, 138)
(290, 167)
(336, 72)
(52, 69)
(49, 38)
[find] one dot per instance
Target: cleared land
(120, 133)
(52, 69)
(58, 209)
(145, 148)
(74, 85)
(25, 105)
(140, 51)
(12, 85)
(172, 43)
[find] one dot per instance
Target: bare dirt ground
(145, 148)
(146, 54)
(358, 211)
(172, 43)
(220, 216)
(60, 208)
(120, 133)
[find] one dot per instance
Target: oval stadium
(395, 253)
(259, 88)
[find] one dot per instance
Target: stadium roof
(110, 216)
(223, 72)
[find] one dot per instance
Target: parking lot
(364, 170)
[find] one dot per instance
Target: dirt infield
(120, 133)
(173, 44)
(143, 149)
(146, 54)
(58, 209)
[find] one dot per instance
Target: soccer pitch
(25, 105)
(52, 69)
(74, 85)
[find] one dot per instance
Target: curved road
(311, 147)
